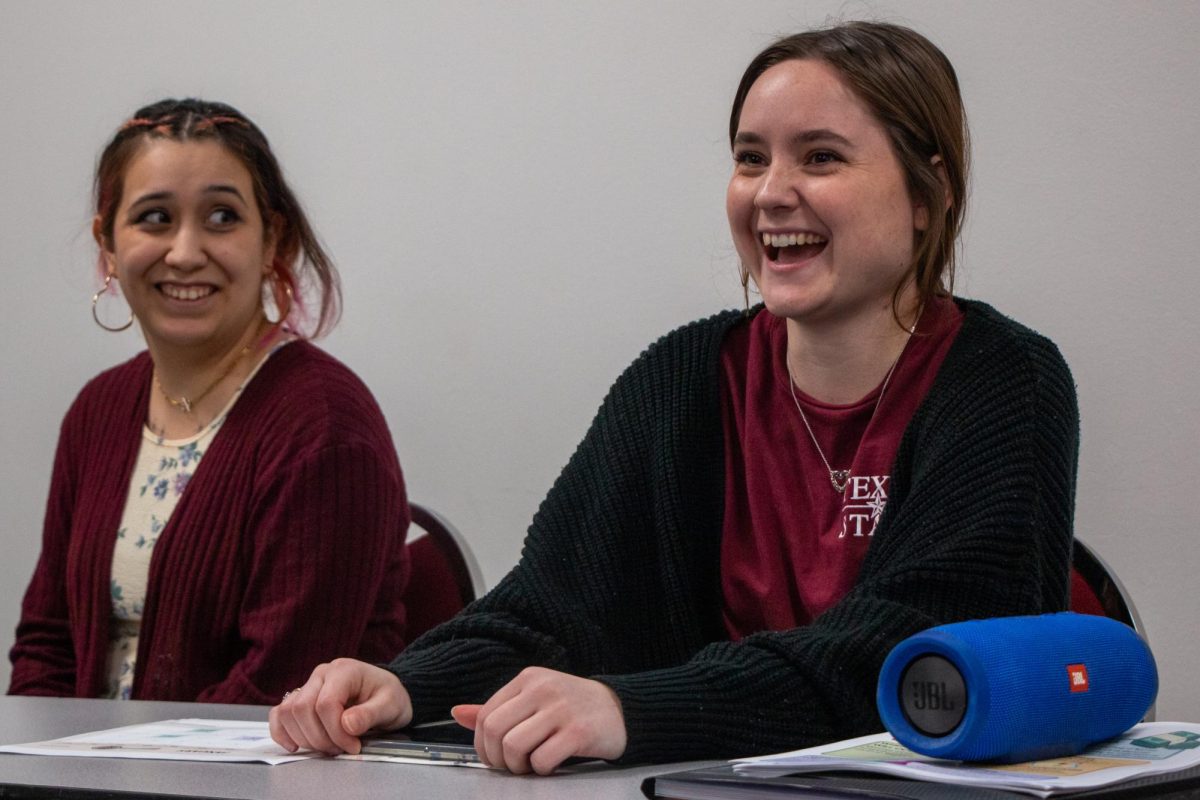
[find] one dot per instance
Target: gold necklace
(188, 404)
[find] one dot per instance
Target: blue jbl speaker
(1016, 688)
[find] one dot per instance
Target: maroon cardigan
(286, 549)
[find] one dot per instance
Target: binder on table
(723, 783)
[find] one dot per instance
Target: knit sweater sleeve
(978, 524)
(43, 657)
(324, 536)
(586, 596)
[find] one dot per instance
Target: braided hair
(301, 269)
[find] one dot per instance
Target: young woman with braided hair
(226, 508)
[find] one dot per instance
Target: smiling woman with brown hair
(226, 508)
(767, 502)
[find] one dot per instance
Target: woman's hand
(541, 718)
(340, 702)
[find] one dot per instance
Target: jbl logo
(1079, 677)
(931, 696)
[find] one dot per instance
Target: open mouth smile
(787, 248)
(186, 293)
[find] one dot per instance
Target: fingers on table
(309, 717)
(535, 722)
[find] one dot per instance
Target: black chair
(1096, 589)
(444, 574)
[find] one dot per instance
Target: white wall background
(522, 195)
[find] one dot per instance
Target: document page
(177, 739)
(1147, 749)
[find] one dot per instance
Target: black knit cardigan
(619, 576)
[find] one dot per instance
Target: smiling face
(818, 205)
(189, 246)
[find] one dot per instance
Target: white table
(31, 719)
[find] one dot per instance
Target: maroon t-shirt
(791, 546)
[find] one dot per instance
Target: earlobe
(920, 217)
(102, 241)
(940, 166)
(920, 210)
(98, 234)
(274, 226)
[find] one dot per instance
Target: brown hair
(911, 88)
(301, 266)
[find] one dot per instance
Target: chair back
(444, 575)
(1096, 589)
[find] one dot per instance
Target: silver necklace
(840, 477)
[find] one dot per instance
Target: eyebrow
(220, 188)
(804, 137)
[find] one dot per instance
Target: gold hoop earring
(95, 301)
(283, 314)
